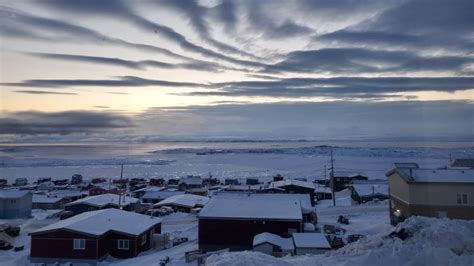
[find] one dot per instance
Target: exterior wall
(80, 208)
(399, 188)
(60, 245)
(454, 211)
(440, 194)
(300, 190)
(304, 251)
(215, 234)
(49, 206)
(430, 199)
(11, 208)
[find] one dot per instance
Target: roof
(45, 199)
(99, 222)
(185, 200)
(252, 206)
(13, 194)
(422, 175)
(104, 199)
(369, 189)
(283, 243)
(292, 182)
(443, 175)
(310, 240)
(161, 194)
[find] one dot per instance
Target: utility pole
(332, 180)
(120, 192)
(325, 174)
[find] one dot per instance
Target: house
(157, 196)
(310, 243)
(191, 181)
(274, 245)
(339, 183)
(103, 201)
(358, 177)
(76, 179)
(48, 202)
(322, 192)
(231, 181)
(295, 186)
(104, 188)
(183, 202)
(430, 192)
(362, 192)
(15, 204)
(231, 220)
(91, 236)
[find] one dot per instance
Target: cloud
(262, 22)
(45, 92)
(117, 9)
(123, 81)
(23, 25)
(312, 120)
(358, 60)
(142, 64)
(61, 123)
(352, 87)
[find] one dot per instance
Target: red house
(231, 220)
(91, 236)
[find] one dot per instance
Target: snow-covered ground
(40, 219)
(290, 159)
(432, 242)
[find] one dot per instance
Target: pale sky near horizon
(240, 68)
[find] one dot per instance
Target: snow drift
(431, 242)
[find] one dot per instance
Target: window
(79, 244)
(144, 239)
(461, 199)
(123, 244)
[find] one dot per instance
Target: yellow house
(430, 192)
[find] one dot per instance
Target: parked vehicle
(179, 241)
(343, 220)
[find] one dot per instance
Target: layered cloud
(261, 54)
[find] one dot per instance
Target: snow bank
(432, 242)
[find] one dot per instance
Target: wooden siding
(217, 234)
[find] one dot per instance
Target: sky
(91, 70)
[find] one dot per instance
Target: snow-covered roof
(443, 175)
(45, 199)
(100, 222)
(288, 182)
(252, 206)
(310, 240)
(438, 175)
(286, 244)
(191, 180)
(13, 194)
(185, 200)
(323, 189)
(369, 189)
(104, 199)
(161, 194)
